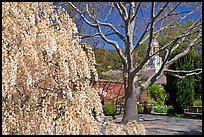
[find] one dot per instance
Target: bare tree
(156, 17)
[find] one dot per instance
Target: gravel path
(166, 125)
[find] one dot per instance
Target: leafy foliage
(182, 90)
(161, 109)
(198, 78)
(139, 108)
(197, 103)
(109, 109)
(154, 91)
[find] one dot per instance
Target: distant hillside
(109, 64)
(108, 61)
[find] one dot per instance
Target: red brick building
(111, 90)
(114, 91)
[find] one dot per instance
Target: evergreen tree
(181, 90)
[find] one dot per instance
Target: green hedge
(109, 109)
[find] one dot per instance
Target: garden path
(167, 125)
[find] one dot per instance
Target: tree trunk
(131, 112)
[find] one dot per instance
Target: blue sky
(116, 20)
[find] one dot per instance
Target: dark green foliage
(184, 95)
(183, 115)
(109, 109)
(170, 111)
(198, 78)
(181, 90)
(198, 86)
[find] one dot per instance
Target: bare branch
(193, 43)
(160, 27)
(114, 29)
(167, 26)
(156, 76)
(188, 73)
(166, 63)
(114, 43)
(183, 36)
(168, 14)
(83, 36)
(83, 17)
(161, 10)
(87, 10)
(153, 78)
(188, 14)
(171, 14)
(106, 24)
(111, 8)
(156, 32)
(143, 34)
(141, 11)
(183, 71)
(97, 26)
(137, 68)
(177, 13)
(125, 12)
(135, 13)
(120, 11)
(131, 11)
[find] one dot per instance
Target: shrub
(170, 111)
(109, 109)
(152, 102)
(161, 109)
(154, 91)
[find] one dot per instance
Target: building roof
(147, 73)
